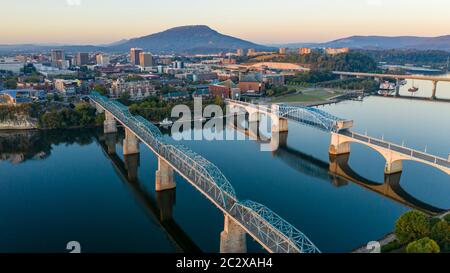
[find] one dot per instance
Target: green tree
(101, 89)
(56, 97)
(447, 218)
(424, 245)
(412, 226)
(10, 84)
(125, 98)
(440, 233)
(83, 115)
(51, 120)
(86, 113)
(99, 119)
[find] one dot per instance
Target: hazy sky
(262, 21)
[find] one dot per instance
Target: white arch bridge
(270, 230)
(341, 136)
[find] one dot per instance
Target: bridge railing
(273, 231)
(262, 221)
(251, 105)
(400, 149)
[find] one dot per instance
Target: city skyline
(286, 21)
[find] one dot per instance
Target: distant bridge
(241, 217)
(398, 78)
(341, 136)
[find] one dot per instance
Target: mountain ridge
(189, 39)
(383, 42)
(203, 39)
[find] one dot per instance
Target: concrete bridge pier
(279, 125)
(343, 77)
(338, 145)
(132, 163)
(278, 140)
(433, 95)
(110, 124)
(166, 200)
(130, 143)
(233, 238)
(393, 166)
(397, 87)
(164, 176)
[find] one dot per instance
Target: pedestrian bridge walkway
(341, 135)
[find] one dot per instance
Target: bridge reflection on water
(159, 208)
(338, 171)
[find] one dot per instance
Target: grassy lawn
(307, 96)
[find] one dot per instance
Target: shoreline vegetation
(51, 116)
(416, 232)
(36, 116)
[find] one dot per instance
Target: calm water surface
(58, 187)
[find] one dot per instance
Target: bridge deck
(392, 76)
(324, 121)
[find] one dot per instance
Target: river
(426, 87)
(57, 187)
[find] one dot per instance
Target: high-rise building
(103, 60)
(82, 59)
(336, 51)
(304, 51)
(62, 64)
(240, 52)
(178, 65)
(134, 55)
(146, 60)
(57, 55)
(282, 51)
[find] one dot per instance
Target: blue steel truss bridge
(270, 230)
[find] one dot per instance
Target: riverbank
(316, 97)
(24, 123)
(48, 116)
(385, 241)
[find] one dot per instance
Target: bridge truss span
(310, 116)
(263, 221)
(305, 115)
